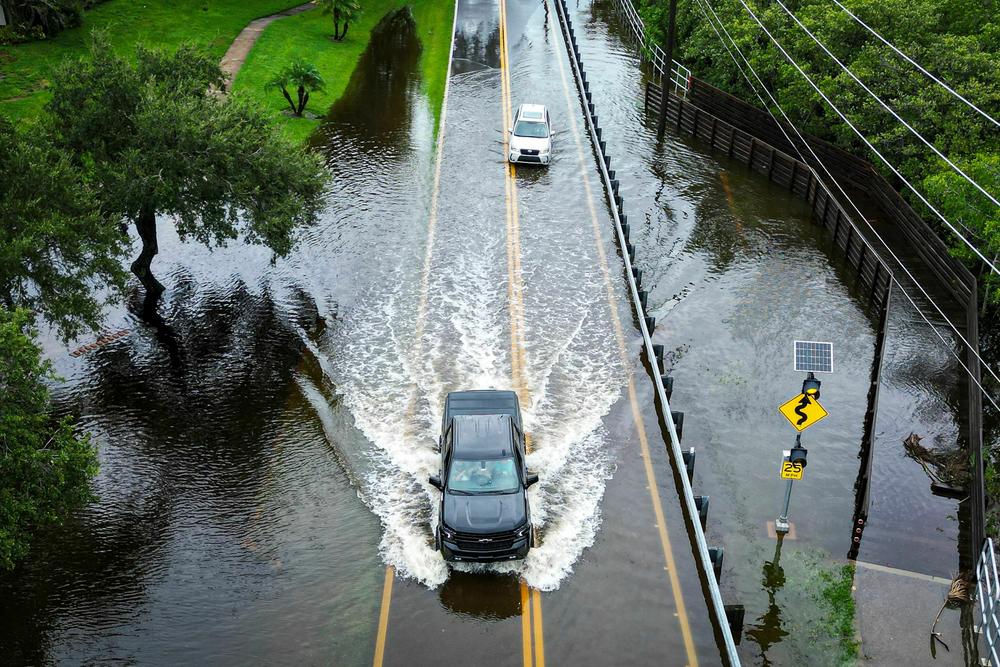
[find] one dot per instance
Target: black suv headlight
(523, 531)
(447, 533)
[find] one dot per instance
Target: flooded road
(265, 463)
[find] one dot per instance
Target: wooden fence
(781, 168)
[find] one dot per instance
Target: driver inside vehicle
(490, 475)
(482, 475)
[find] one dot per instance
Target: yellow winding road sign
(803, 411)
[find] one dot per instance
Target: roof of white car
(533, 111)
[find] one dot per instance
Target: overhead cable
(860, 214)
(705, 4)
(865, 139)
(886, 106)
(918, 66)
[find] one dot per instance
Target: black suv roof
(482, 402)
(482, 436)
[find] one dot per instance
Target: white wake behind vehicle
(530, 135)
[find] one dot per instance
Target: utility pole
(667, 77)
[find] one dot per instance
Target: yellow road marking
(724, 177)
(525, 624)
(383, 617)
(633, 398)
(532, 638)
(536, 613)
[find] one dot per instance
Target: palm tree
(343, 12)
(302, 76)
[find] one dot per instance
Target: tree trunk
(344, 34)
(302, 100)
(336, 24)
(305, 101)
(289, 98)
(145, 224)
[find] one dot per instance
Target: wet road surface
(523, 262)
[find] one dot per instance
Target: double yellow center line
(532, 634)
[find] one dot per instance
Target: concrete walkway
(240, 48)
(895, 611)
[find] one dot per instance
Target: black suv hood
(484, 513)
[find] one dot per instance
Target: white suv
(531, 135)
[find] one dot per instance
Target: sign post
(792, 465)
(802, 411)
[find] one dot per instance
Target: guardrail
(652, 53)
(988, 601)
(709, 559)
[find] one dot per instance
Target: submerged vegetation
(836, 595)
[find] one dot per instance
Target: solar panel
(813, 356)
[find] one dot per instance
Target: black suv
(483, 480)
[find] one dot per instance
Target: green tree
(157, 140)
(966, 206)
(45, 467)
(302, 76)
(343, 12)
(55, 248)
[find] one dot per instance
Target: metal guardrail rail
(988, 601)
(652, 53)
(646, 324)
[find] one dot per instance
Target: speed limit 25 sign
(791, 469)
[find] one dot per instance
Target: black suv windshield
(484, 476)
(532, 130)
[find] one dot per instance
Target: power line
(867, 142)
(703, 4)
(918, 66)
(753, 88)
(860, 214)
(886, 106)
(865, 219)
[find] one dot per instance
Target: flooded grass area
(308, 36)
(228, 526)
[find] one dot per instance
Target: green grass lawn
(26, 68)
(307, 36)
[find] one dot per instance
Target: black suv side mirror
(436, 482)
(529, 479)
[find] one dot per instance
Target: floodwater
(736, 272)
(263, 464)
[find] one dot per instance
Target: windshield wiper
(459, 492)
